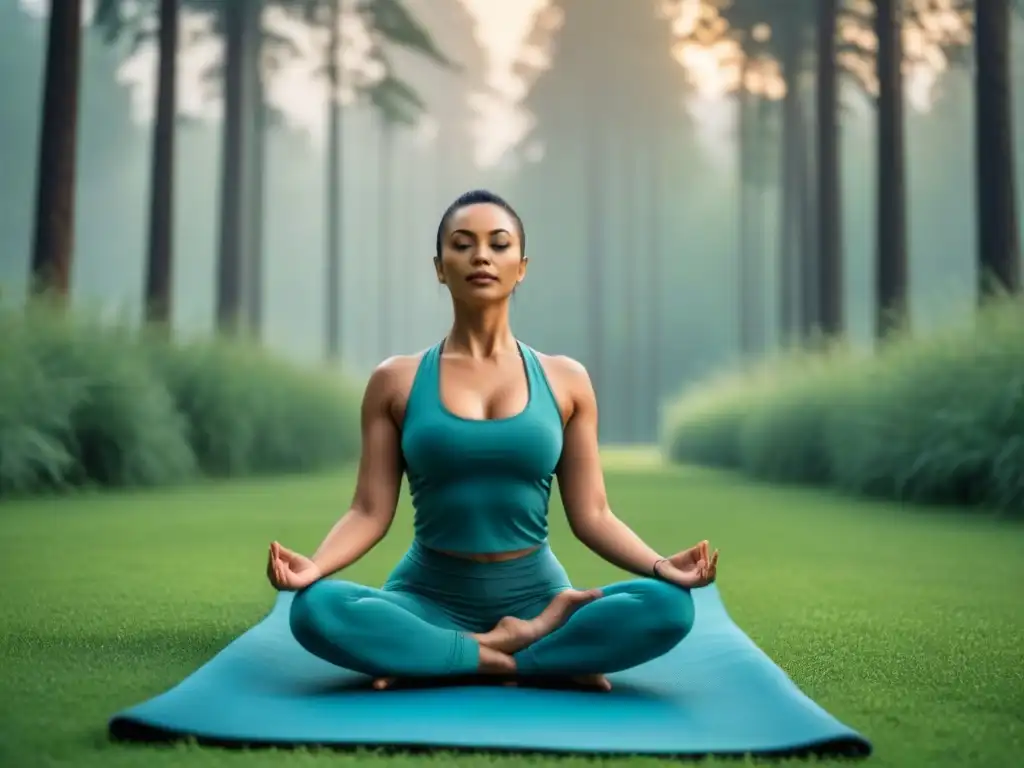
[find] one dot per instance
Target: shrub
(85, 402)
(784, 437)
(703, 427)
(942, 420)
(936, 419)
(81, 407)
(249, 413)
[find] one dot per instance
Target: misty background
(619, 147)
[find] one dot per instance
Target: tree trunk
(54, 238)
(385, 275)
(758, 129)
(829, 291)
(334, 194)
(830, 240)
(789, 313)
(655, 276)
(257, 188)
(891, 266)
(241, 33)
(159, 266)
(595, 220)
(630, 358)
(808, 223)
(998, 235)
(745, 238)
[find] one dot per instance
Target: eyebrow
(498, 231)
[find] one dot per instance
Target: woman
(480, 424)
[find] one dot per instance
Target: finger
(714, 559)
(687, 579)
(704, 550)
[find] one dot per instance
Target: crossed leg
(633, 622)
(398, 634)
(377, 633)
(389, 634)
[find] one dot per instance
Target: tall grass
(88, 403)
(930, 419)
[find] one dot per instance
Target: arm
(379, 480)
(581, 484)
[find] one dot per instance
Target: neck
(481, 332)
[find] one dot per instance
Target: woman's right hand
(289, 570)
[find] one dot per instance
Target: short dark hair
(480, 197)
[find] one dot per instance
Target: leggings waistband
(465, 568)
(474, 594)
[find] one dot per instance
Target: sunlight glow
(713, 55)
(517, 37)
(297, 85)
(502, 30)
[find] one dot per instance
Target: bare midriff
(490, 557)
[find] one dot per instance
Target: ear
(439, 270)
(522, 269)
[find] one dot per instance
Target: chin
(484, 295)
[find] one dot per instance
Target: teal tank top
(480, 486)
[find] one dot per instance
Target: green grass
(905, 625)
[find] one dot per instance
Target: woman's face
(481, 255)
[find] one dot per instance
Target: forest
(705, 183)
(782, 239)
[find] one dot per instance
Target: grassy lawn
(903, 624)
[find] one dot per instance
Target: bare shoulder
(564, 367)
(391, 381)
(569, 378)
(394, 371)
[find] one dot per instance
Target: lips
(482, 277)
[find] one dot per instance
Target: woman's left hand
(691, 568)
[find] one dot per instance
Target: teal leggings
(419, 623)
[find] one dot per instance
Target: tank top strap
(538, 379)
(426, 385)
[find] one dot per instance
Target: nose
(481, 255)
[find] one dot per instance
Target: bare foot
(592, 682)
(492, 662)
(511, 635)
(598, 682)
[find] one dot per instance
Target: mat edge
(127, 730)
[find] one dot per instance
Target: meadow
(903, 622)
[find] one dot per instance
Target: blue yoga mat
(715, 693)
